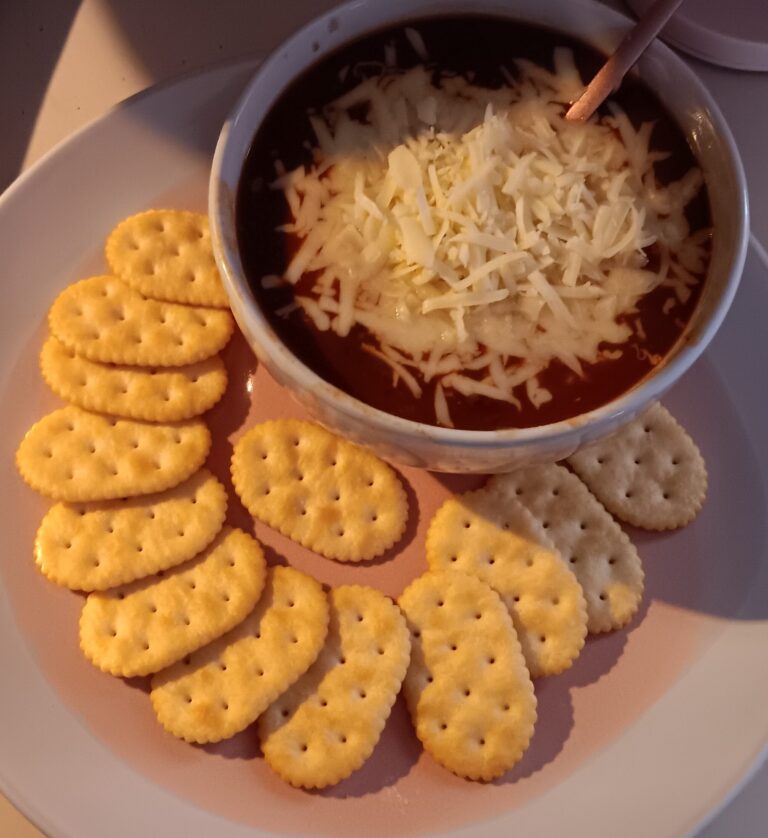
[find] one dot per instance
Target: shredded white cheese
(476, 231)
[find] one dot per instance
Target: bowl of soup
(438, 264)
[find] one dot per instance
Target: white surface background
(66, 62)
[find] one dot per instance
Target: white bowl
(443, 449)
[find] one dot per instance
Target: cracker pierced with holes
(143, 627)
(321, 491)
(468, 690)
(328, 723)
(222, 688)
(599, 552)
(650, 473)
(165, 395)
(499, 541)
(76, 456)
(92, 547)
(167, 255)
(103, 319)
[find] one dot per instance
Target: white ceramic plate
(647, 735)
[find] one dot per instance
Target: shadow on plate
(411, 526)
(555, 705)
(227, 417)
(457, 484)
(711, 566)
(244, 745)
(555, 714)
(396, 753)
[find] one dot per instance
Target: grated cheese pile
(477, 235)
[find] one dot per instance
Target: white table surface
(66, 62)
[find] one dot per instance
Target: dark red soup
(477, 52)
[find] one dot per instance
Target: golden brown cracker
(169, 394)
(143, 627)
(76, 456)
(103, 319)
(468, 690)
(167, 255)
(222, 688)
(319, 490)
(499, 541)
(92, 547)
(327, 724)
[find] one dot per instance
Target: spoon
(632, 46)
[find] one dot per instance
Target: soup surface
(598, 244)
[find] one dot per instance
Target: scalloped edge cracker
(220, 689)
(169, 394)
(599, 552)
(650, 473)
(327, 724)
(92, 547)
(499, 541)
(76, 456)
(103, 319)
(143, 627)
(319, 490)
(167, 255)
(468, 690)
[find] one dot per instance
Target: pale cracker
(167, 255)
(649, 473)
(76, 456)
(143, 627)
(328, 723)
(599, 552)
(92, 547)
(220, 689)
(468, 690)
(103, 319)
(503, 544)
(319, 490)
(169, 394)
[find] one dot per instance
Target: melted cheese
(476, 231)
